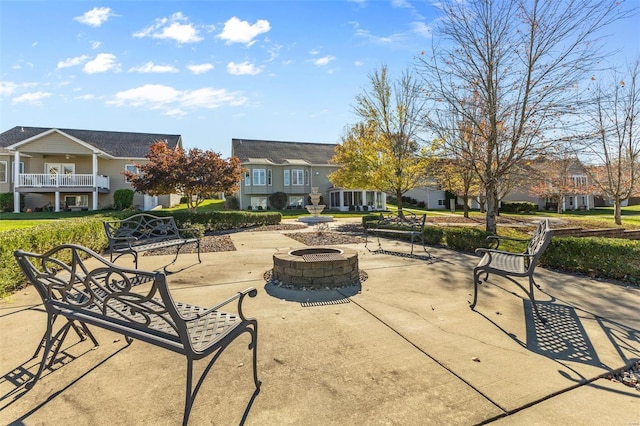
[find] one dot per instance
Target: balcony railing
(45, 180)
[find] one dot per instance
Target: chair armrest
(482, 250)
(251, 292)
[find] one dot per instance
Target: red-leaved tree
(195, 173)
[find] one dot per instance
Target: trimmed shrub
(518, 207)
(598, 257)
(6, 202)
(370, 219)
(123, 198)
(278, 200)
(421, 204)
(465, 239)
(231, 203)
(223, 220)
(433, 235)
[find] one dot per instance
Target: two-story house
(295, 168)
(62, 169)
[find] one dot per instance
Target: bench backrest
(142, 226)
(407, 220)
(106, 293)
(540, 240)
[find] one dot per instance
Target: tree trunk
(399, 198)
(617, 211)
(465, 207)
(491, 209)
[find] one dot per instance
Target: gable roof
(117, 144)
(276, 152)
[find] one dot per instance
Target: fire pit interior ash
(316, 268)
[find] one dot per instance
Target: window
(442, 202)
(257, 202)
(247, 178)
(287, 180)
(131, 168)
(20, 170)
(259, 177)
(76, 201)
(306, 177)
(269, 177)
(297, 177)
(571, 201)
(3, 171)
(296, 201)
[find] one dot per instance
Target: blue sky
(210, 70)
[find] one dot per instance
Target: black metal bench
(144, 232)
(409, 224)
(134, 303)
(508, 264)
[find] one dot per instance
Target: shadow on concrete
(562, 338)
(427, 258)
(312, 297)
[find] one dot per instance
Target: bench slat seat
(508, 264)
(134, 303)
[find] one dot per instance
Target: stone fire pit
(316, 268)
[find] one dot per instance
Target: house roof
(282, 152)
(117, 144)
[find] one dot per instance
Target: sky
(212, 71)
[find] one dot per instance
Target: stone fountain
(315, 209)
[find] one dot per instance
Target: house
(295, 168)
(74, 169)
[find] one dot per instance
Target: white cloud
(244, 68)
(320, 62)
(71, 62)
(237, 31)
(95, 17)
(96, 44)
(401, 3)
(102, 63)
(393, 38)
(34, 98)
(314, 52)
(151, 67)
(200, 69)
(174, 102)
(177, 28)
(421, 28)
(358, 63)
(7, 88)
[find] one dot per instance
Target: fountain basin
(316, 268)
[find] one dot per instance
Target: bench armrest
(251, 292)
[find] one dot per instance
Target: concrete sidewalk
(406, 350)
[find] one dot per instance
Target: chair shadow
(427, 258)
(562, 338)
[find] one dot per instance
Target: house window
(570, 201)
(20, 169)
(247, 178)
(257, 202)
(132, 169)
(297, 177)
(259, 177)
(287, 180)
(71, 201)
(3, 171)
(442, 202)
(306, 177)
(269, 177)
(296, 201)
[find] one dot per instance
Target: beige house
(74, 169)
(295, 168)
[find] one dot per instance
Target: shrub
(184, 200)
(465, 239)
(518, 207)
(600, 257)
(6, 202)
(249, 207)
(231, 203)
(223, 220)
(433, 235)
(278, 200)
(370, 219)
(421, 204)
(123, 198)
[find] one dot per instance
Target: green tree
(195, 173)
(382, 151)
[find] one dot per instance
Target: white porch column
(57, 205)
(95, 182)
(587, 203)
(564, 204)
(364, 198)
(341, 199)
(16, 182)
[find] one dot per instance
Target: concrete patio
(406, 350)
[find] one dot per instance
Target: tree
(510, 68)
(615, 138)
(382, 151)
(196, 174)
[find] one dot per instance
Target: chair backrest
(539, 241)
(74, 278)
(142, 226)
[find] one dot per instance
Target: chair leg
(476, 283)
(189, 397)
(49, 343)
(254, 345)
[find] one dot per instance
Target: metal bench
(144, 232)
(508, 264)
(134, 303)
(409, 225)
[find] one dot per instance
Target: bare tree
(615, 138)
(511, 69)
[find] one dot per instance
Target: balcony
(44, 182)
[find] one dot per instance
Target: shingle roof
(282, 152)
(117, 144)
